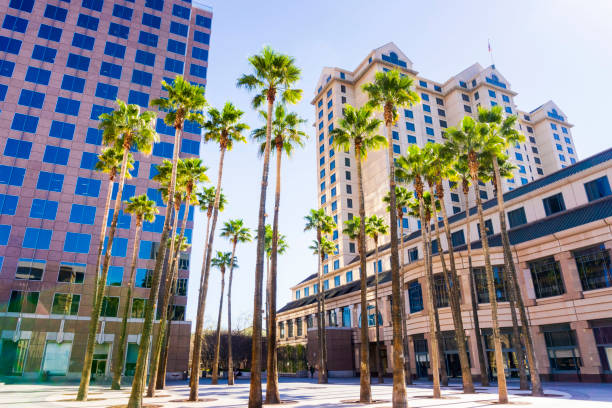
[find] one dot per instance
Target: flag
(489, 43)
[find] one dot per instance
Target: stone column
(569, 274)
(338, 317)
(523, 274)
(591, 364)
(351, 316)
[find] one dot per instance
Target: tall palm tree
(440, 158)
(322, 224)
(143, 209)
(235, 232)
(125, 128)
(411, 168)
(389, 92)
(357, 129)
(272, 73)
(375, 227)
(225, 128)
(184, 102)
(286, 136)
(222, 260)
(282, 247)
(190, 173)
(402, 198)
(505, 129)
(471, 140)
(462, 170)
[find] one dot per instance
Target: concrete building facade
(62, 64)
(561, 233)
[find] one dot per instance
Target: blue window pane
(119, 30)
(180, 11)
(83, 214)
(18, 148)
(152, 21)
(156, 196)
(106, 91)
(155, 4)
(78, 62)
(428, 119)
(142, 77)
(110, 70)
(412, 139)
(31, 99)
(97, 110)
(12, 176)
(114, 50)
(95, 5)
(144, 252)
(45, 54)
(76, 242)
(173, 65)
(178, 28)
(62, 130)
(115, 275)
(38, 75)
(24, 123)
(138, 98)
(155, 226)
(129, 190)
(88, 22)
(192, 127)
(6, 68)
(83, 41)
(93, 136)
(146, 58)
(13, 23)
(148, 39)
(122, 12)
(119, 246)
(50, 181)
(23, 5)
(429, 131)
(5, 232)
(410, 126)
(87, 187)
(190, 146)
(73, 83)
(8, 204)
(37, 238)
(203, 21)
(89, 160)
(9, 45)
(68, 106)
(56, 13)
(43, 209)
(124, 221)
(177, 47)
(201, 37)
(163, 149)
(199, 53)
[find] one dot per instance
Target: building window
(30, 269)
(299, 326)
(546, 277)
(349, 276)
(110, 306)
(594, 267)
(517, 217)
(65, 304)
(346, 317)
(597, 188)
(289, 328)
(488, 228)
(415, 296)
(138, 308)
(480, 282)
(78, 62)
(440, 292)
(281, 329)
(458, 238)
(43, 209)
(71, 273)
(37, 238)
(554, 204)
(77, 242)
(143, 278)
(20, 303)
(603, 339)
(115, 275)
(562, 349)
(371, 317)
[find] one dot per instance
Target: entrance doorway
(13, 356)
(453, 366)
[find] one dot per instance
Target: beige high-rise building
(548, 144)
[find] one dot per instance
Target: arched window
(393, 56)
(494, 77)
(371, 321)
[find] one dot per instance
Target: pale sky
(547, 49)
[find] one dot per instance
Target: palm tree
(222, 261)
(462, 170)
(125, 128)
(439, 162)
(235, 232)
(505, 129)
(286, 136)
(471, 140)
(190, 173)
(143, 210)
(318, 221)
(282, 247)
(375, 227)
(225, 128)
(183, 103)
(402, 198)
(358, 129)
(272, 73)
(411, 168)
(390, 91)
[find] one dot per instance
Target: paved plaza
(306, 393)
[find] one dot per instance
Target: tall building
(62, 64)
(547, 148)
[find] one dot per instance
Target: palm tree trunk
(429, 296)
(255, 385)
(399, 381)
(407, 372)
(197, 344)
(215, 368)
(194, 376)
(230, 359)
(441, 354)
(365, 391)
(120, 354)
(163, 320)
(101, 286)
(454, 295)
(272, 394)
(379, 367)
(135, 400)
(536, 384)
(322, 321)
(499, 359)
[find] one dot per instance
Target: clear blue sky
(554, 49)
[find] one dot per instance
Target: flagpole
(491, 53)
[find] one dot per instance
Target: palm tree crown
(184, 102)
(127, 128)
(109, 162)
(318, 221)
(223, 260)
(351, 227)
(224, 126)
(142, 208)
(358, 128)
(389, 91)
(285, 131)
(236, 231)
